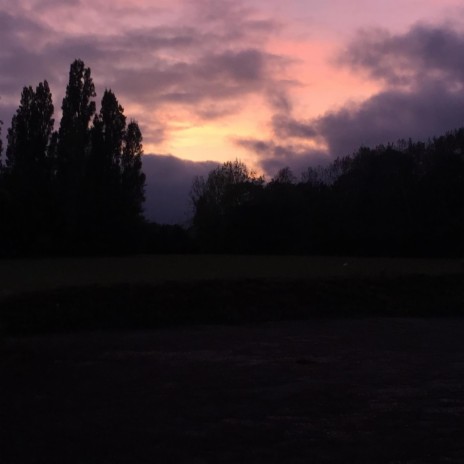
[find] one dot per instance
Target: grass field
(233, 359)
(153, 291)
(32, 275)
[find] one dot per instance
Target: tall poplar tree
(29, 134)
(73, 147)
(29, 168)
(104, 167)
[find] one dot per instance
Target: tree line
(79, 188)
(403, 199)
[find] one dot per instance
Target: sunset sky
(274, 83)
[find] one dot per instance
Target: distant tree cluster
(78, 188)
(400, 199)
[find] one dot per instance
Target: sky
(272, 83)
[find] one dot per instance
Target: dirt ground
(324, 391)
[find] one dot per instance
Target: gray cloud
(274, 156)
(424, 72)
(233, 21)
(19, 37)
(279, 100)
(288, 127)
(202, 66)
(214, 77)
(429, 111)
(169, 180)
(424, 52)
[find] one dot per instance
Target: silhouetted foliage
(104, 169)
(79, 189)
(29, 168)
(400, 199)
(73, 150)
(165, 239)
(132, 177)
(222, 201)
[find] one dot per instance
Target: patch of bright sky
(214, 140)
(315, 32)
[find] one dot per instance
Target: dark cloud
(424, 52)
(233, 21)
(20, 38)
(424, 70)
(388, 116)
(203, 66)
(288, 127)
(214, 78)
(211, 111)
(429, 111)
(169, 180)
(240, 67)
(18, 30)
(53, 4)
(159, 38)
(280, 100)
(274, 156)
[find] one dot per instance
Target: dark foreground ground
(369, 390)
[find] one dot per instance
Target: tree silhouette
(103, 167)
(73, 148)
(284, 176)
(132, 177)
(29, 166)
(222, 201)
(115, 169)
(80, 188)
(29, 134)
(400, 199)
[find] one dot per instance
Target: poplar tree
(104, 167)
(29, 168)
(73, 147)
(29, 135)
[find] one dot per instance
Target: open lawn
(231, 359)
(26, 275)
(154, 291)
(341, 391)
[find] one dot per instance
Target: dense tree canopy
(228, 192)
(401, 199)
(80, 188)
(29, 166)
